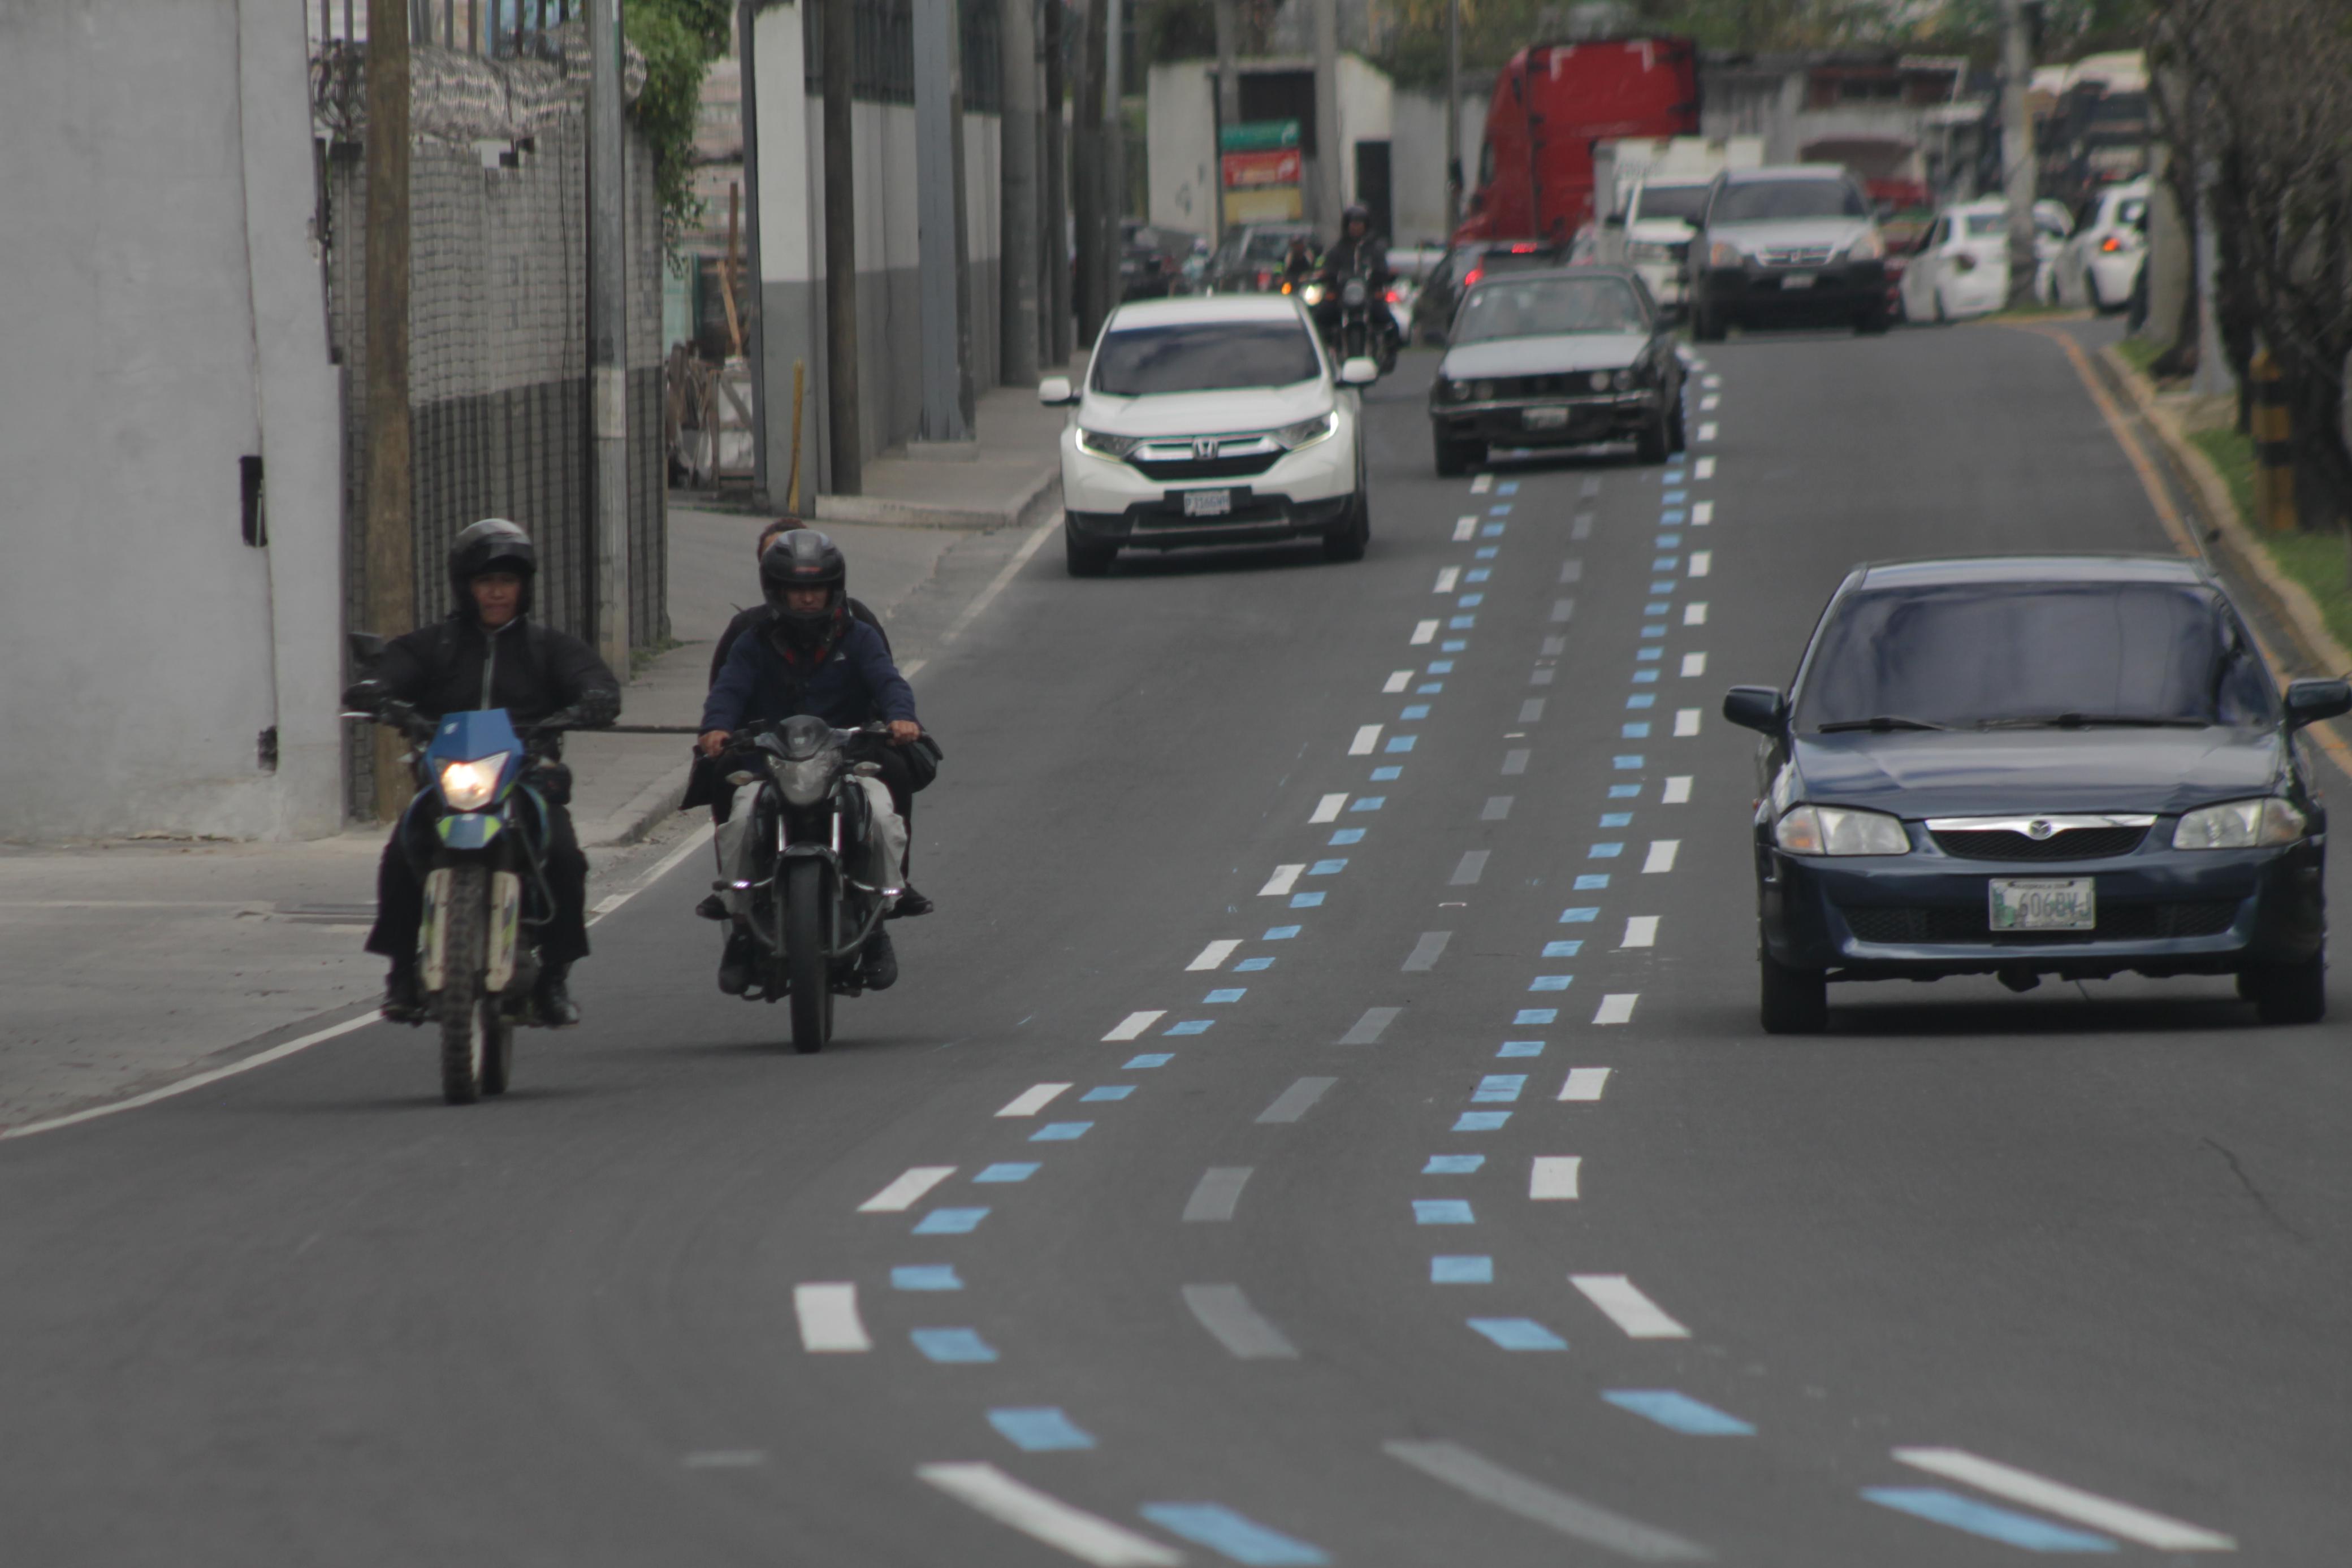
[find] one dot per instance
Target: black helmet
(1355, 212)
(493, 544)
(804, 559)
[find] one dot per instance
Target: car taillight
(1392, 295)
(1523, 250)
(1264, 278)
(1472, 276)
(2111, 245)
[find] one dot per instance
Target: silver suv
(1786, 243)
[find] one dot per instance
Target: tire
(1348, 542)
(806, 968)
(1653, 445)
(2288, 993)
(1872, 323)
(1087, 559)
(498, 1055)
(1677, 437)
(466, 1014)
(1453, 457)
(1705, 325)
(1943, 317)
(1791, 1001)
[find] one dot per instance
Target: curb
(644, 811)
(1043, 494)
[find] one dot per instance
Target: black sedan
(2027, 766)
(1560, 358)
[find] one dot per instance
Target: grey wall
(162, 319)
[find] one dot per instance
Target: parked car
(2101, 262)
(1960, 265)
(1464, 265)
(1250, 259)
(1211, 420)
(1556, 359)
(2025, 766)
(1793, 242)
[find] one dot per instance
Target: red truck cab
(1551, 102)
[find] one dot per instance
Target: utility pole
(1017, 279)
(848, 463)
(1114, 128)
(1328, 182)
(1453, 118)
(1053, 242)
(746, 13)
(1086, 182)
(608, 336)
(2017, 149)
(1229, 108)
(936, 188)
(388, 543)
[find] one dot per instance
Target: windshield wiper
(2094, 721)
(1879, 725)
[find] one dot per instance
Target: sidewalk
(1009, 477)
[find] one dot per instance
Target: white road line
(1561, 609)
(1640, 931)
(1398, 680)
(1617, 1007)
(1707, 431)
(1702, 561)
(1553, 1177)
(1214, 955)
(829, 1321)
(1693, 664)
(1701, 513)
(662, 868)
(1709, 382)
(1661, 857)
(1469, 869)
(1709, 403)
(1464, 530)
(1482, 484)
(907, 1191)
(1217, 1194)
(1233, 1322)
(1284, 879)
(1423, 631)
(2151, 1529)
(1639, 1316)
(1447, 576)
(1426, 952)
(1328, 809)
(1584, 1084)
(971, 612)
(1367, 1030)
(1295, 1101)
(1085, 1536)
(1468, 1471)
(1677, 790)
(1367, 737)
(1132, 1026)
(1531, 711)
(1705, 469)
(1685, 722)
(1694, 613)
(1034, 1099)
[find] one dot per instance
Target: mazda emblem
(2039, 830)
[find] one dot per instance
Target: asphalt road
(1446, 1207)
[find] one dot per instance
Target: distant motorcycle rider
(489, 654)
(1298, 262)
(810, 655)
(1357, 253)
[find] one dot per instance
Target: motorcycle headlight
(2241, 825)
(1869, 247)
(1313, 294)
(468, 786)
(1306, 432)
(806, 781)
(1723, 253)
(1836, 831)
(1352, 293)
(1115, 447)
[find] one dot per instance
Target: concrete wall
(163, 318)
(1179, 106)
(889, 307)
(1417, 160)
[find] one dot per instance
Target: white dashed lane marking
(1398, 680)
(1328, 809)
(1686, 721)
(1640, 931)
(1617, 1007)
(1284, 879)
(1553, 1177)
(1584, 1084)
(1367, 737)
(2150, 1528)
(1693, 664)
(907, 1190)
(1627, 1307)
(1694, 613)
(1132, 1026)
(1424, 631)
(829, 1321)
(1661, 857)
(1043, 1518)
(1677, 790)
(1034, 1099)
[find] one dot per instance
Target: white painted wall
(1180, 137)
(163, 316)
(1417, 160)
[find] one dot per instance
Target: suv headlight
(1115, 447)
(1869, 247)
(2241, 825)
(1836, 831)
(468, 786)
(1306, 432)
(1723, 253)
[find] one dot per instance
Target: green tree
(679, 39)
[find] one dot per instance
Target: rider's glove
(366, 696)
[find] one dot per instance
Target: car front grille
(1795, 256)
(2066, 845)
(1238, 467)
(2118, 922)
(1574, 383)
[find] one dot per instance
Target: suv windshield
(1204, 356)
(1773, 201)
(1683, 202)
(1966, 656)
(1538, 307)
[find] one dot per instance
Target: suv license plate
(1798, 281)
(1208, 503)
(1544, 418)
(2043, 904)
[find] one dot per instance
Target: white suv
(1211, 420)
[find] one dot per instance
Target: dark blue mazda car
(2037, 764)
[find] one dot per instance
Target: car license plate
(1208, 503)
(1544, 418)
(2043, 904)
(1798, 281)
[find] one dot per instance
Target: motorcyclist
(489, 653)
(1298, 262)
(1357, 253)
(809, 655)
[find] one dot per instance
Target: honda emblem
(1204, 451)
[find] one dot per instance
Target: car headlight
(1629, 378)
(468, 786)
(1313, 294)
(1485, 390)
(1723, 253)
(1115, 447)
(1598, 381)
(1869, 247)
(1306, 432)
(1453, 391)
(2241, 825)
(1836, 831)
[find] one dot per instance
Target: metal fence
(500, 28)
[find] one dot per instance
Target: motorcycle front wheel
(807, 969)
(467, 1023)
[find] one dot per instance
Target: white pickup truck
(1657, 188)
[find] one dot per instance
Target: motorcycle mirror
(366, 647)
(1358, 371)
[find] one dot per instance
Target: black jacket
(533, 671)
(746, 619)
(1367, 255)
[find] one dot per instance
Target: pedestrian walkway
(1009, 477)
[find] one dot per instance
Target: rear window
(1683, 202)
(1541, 306)
(1984, 226)
(1771, 201)
(1268, 245)
(1977, 655)
(1204, 356)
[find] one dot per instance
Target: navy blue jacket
(856, 683)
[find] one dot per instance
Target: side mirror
(1759, 708)
(366, 648)
(1054, 391)
(1358, 371)
(2308, 701)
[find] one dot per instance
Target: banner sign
(1258, 136)
(1243, 171)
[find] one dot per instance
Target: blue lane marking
(1010, 1170)
(1521, 1048)
(1281, 932)
(1442, 1211)
(925, 1277)
(1471, 601)
(1455, 645)
(1653, 629)
(1486, 553)
(1252, 966)
(1441, 666)
(1106, 1092)
(951, 1222)
(953, 1345)
(1155, 1057)
(1060, 1132)
(1430, 688)
(1478, 574)
(1507, 487)
(1491, 531)
(1537, 1015)
(1348, 836)
(1634, 731)
(1399, 743)
(1662, 586)
(1480, 1120)
(1226, 994)
(1499, 1088)
(1941, 1507)
(1627, 763)
(1591, 882)
(1671, 477)
(1414, 710)
(1039, 1430)
(1503, 510)
(1656, 609)
(1649, 652)
(1387, 772)
(1671, 514)
(1232, 1536)
(1453, 1165)
(1604, 850)
(1569, 949)
(1616, 819)
(1461, 622)
(1550, 982)
(1461, 1270)
(1369, 803)
(1518, 1333)
(1671, 497)
(1299, 901)
(1624, 791)
(1582, 915)
(1326, 868)
(1679, 1411)
(1646, 677)
(1639, 700)
(1195, 1026)
(1669, 541)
